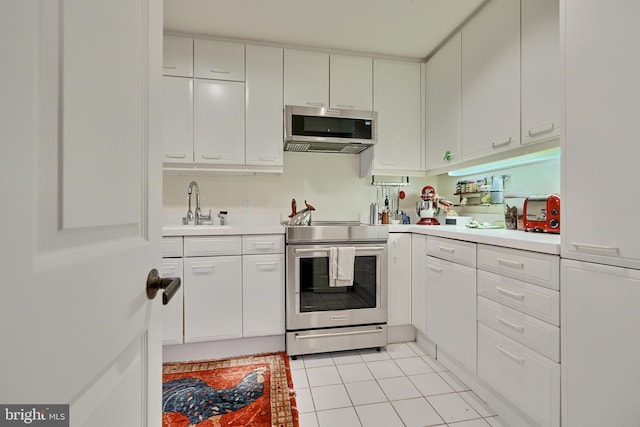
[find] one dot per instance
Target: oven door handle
(358, 248)
(339, 334)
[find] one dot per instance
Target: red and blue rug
(245, 391)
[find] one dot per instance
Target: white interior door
(80, 188)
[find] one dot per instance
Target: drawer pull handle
(511, 356)
(202, 268)
(263, 245)
(345, 106)
(501, 142)
(169, 67)
(595, 247)
(447, 250)
(168, 271)
(436, 269)
(510, 325)
(315, 104)
(547, 127)
(509, 293)
(220, 71)
(268, 266)
(268, 158)
(175, 156)
(510, 263)
(211, 156)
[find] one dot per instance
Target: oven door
(312, 303)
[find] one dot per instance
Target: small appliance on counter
(430, 205)
(300, 218)
(542, 213)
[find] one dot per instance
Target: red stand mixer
(428, 208)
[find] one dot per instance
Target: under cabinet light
(526, 159)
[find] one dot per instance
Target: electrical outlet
(246, 202)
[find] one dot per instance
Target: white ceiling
(405, 28)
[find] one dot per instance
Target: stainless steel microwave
(329, 130)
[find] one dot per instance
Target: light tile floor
(399, 386)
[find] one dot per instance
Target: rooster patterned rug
(245, 391)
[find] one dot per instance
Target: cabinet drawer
(452, 250)
(263, 244)
(212, 245)
(218, 60)
(171, 247)
(532, 267)
(521, 375)
(539, 302)
(523, 328)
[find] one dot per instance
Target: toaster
(542, 213)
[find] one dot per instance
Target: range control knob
(554, 223)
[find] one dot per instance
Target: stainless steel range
(321, 316)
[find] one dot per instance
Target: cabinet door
(218, 60)
(419, 282)
(443, 105)
(263, 295)
(263, 143)
(306, 78)
(177, 56)
(451, 309)
(600, 132)
(218, 125)
(212, 298)
(396, 94)
(600, 314)
(351, 82)
(541, 72)
(177, 122)
(172, 321)
(491, 80)
(399, 282)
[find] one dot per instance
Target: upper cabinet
(177, 122)
(264, 109)
(541, 72)
(491, 80)
(218, 60)
(177, 56)
(351, 82)
(319, 79)
(443, 106)
(600, 137)
(398, 101)
(306, 78)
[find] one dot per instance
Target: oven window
(317, 295)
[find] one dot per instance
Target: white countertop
(516, 239)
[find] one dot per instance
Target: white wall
(331, 183)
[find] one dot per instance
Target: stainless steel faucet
(196, 216)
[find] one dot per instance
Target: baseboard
(222, 349)
(401, 333)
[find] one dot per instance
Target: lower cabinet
(263, 295)
(399, 279)
(232, 287)
(451, 309)
(419, 283)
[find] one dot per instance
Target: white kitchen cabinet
(172, 313)
(218, 125)
(529, 380)
(264, 109)
(541, 72)
(600, 308)
(263, 295)
(444, 122)
(177, 121)
(351, 82)
(399, 281)
(397, 99)
(177, 56)
(451, 310)
(599, 148)
(306, 78)
(212, 298)
(419, 282)
(491, 80)
(219, 60)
